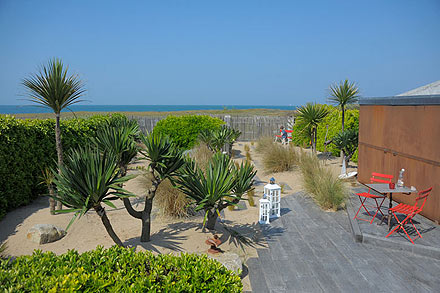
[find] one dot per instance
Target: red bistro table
(385, 189)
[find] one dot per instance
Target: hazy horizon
(222, 53)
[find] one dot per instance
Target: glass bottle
(400, 180)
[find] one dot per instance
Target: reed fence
(252, 127)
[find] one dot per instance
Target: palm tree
(309, 116)
(53, 88)
(222, 185)
(164, 161)
(343, 94)
(90, 178)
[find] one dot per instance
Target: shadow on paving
(311, 250)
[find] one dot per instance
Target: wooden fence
(251, 128)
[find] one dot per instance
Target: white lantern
(264, 211)
(273, 193)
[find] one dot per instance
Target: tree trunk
(101, 212)
(212, 219)
(343, 122)
(59, 148)
(146, 220)
(313, 140)
(52, 202)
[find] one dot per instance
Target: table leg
(389, 211)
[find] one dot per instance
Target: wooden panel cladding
(395, 137)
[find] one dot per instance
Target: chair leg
(401, 225)
(420, 235)
(362, 206)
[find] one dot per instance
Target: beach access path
(311, 250)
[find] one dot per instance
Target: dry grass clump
(263, 144)
(277, 158)
(324, 186)
(251, 194)
(172, 202)
(247, 148)
(202, 155)
(248, 157)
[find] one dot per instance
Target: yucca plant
(164, 160)
(88, 179)
(119, 139)
(309, 116)
(53, 88)
(220, 139)
(47, 179)
(222, 185)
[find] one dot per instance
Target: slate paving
(314, 251)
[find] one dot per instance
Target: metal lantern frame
(273, 193)
(265, 207)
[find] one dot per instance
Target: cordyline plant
(309, 116)
(164, 160)
(88, 179)
(53, 88)
(221, 185)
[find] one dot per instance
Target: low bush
(27, 147)
(184, 130)
(333, 120)
(278, 158)
(202, 155)
(324, 186)
(116, 270)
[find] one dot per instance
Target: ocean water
(18, 109)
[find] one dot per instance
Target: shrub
(116, 270)
(251, 194)
(171, 201)
(184, 130)
(333, 120)
(27, 147)
(278, 158)
(324, 186)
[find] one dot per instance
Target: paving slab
(310, 250)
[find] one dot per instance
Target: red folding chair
(410, 211)
(375, 178)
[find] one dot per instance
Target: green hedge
(184, 130)
(27, 147)
(116, 269)
(333, 120)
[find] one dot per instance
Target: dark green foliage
(88, 178)
(184, 130)
(347, 141)
(116, 269)
(220, 139)
(222, 184)
(333, 120)
(27, 147)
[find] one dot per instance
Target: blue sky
(222, 52)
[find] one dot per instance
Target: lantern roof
(272, 186)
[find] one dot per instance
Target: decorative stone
(45, 233)
(230, 260)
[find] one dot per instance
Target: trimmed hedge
(184, 130)
(333, 120)
(116, 269)
(27, 147)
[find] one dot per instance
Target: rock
(230, 260)
(45, 233)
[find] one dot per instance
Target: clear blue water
(16, 109)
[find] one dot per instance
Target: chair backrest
(423, 195)
(380, 178)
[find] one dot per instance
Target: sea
(23, 109)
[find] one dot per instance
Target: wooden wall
(395, 137)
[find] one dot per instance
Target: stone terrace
(315, 251)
